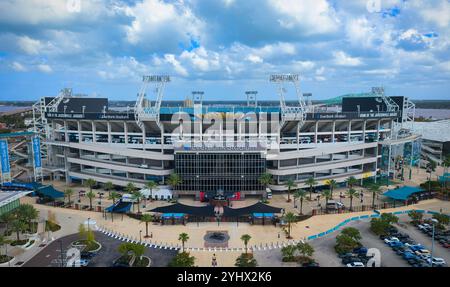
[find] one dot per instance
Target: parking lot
(50, 256)
(326, 256)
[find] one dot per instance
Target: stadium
(223, 149)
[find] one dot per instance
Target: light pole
(61, 247)
(433, 221)
(140, 235)
(88, 221)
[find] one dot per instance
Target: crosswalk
(150, 244)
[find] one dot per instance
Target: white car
(422, 252)
(391, 239)
(437, 261)
(424, 226)
(81, 263)
(355, 264)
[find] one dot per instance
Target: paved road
(108, 253)
(50, 256)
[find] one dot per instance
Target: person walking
(214, 261)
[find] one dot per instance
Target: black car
(348, 260)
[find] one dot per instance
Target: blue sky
(224, 47)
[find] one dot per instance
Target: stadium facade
(222, 147)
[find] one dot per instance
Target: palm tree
(300, 194)
(130, 188)
(327, 194)
(374, 189)
(311, 182)
(27, 213)
(351, 181)
(146, 218)
(18, 226)
(90, 195)
(7, 218)
(113, 196)
(174, 180)
(151, 185)
(68, 193)
(265, 179)
(137, 195)
(351, 192)
(246, 238)
(332, 184)
(108, 187)
(431, 166)
(289, 218)
(289, 184)
(90, 183)
(183, 237)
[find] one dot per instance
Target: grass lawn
(51, 226)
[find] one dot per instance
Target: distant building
(435, 139)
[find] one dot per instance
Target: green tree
(146, 218)
(7, 218)
(108, 186)
(327, 194)
(300, 194)
(68, 193)
(90, 183)
(151, 185)
(290, 219)
(442, 219)
(246, 260)
(265, 179)
(174, 180)
(288, 253)
(351, 181)
(183, 237)
(332, 184)
(374, 189)
(3, 242)
(113, 196)
(312, 183)
(378, 226)
(246, 238)
(415, 216)
(305, 249)
(182, 259)
(290, 184)
(28, 214)
(18, 226)
(91, 196)
(137, 196)
(347, 240)
(431, 167)
(351, 193)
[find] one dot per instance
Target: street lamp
(88, 223)
(433, 221)
(140, 235)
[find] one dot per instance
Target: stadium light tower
(141, 110)
(251, 98)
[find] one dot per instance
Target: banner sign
(4, 159)
(37, 152)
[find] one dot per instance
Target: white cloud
(316, 16)
(18, 67)
(29, 45)
(439, 14)
(170, 58)
(44, 68)
(255, 59)
(342, 59)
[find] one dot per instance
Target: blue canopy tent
(120, 207)
(444, 178)
(50, 192)
(403, 193)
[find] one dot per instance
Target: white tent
(159, 193)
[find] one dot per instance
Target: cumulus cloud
(16, 66)
(44, 68)
(342, 59)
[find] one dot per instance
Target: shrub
(246, 260)
(182, 259)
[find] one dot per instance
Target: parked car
(391, 239)
(348, 260)
(395, 244)
(424, 226)
(81, 262)
(360, 250)
(355, 264)
(437, 261)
